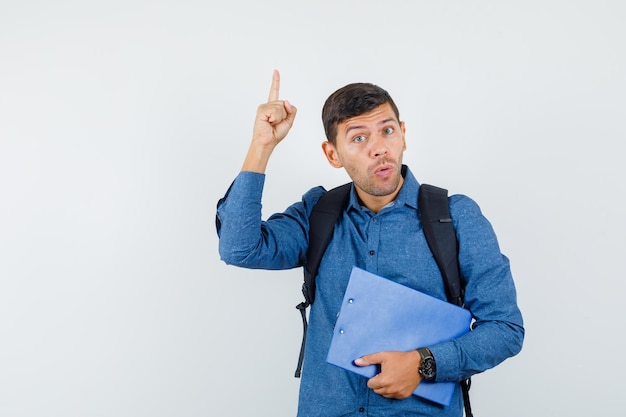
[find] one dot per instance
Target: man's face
(370, 147)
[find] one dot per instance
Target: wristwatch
(428, 368)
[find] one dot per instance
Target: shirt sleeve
(498, 330)
(246, 240)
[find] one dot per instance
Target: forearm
(498, 331)
(257, 158)
(482, 348)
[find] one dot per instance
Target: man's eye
(359, 139)
(388, 130)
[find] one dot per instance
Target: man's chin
(385, 191)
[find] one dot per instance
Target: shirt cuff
(446, 358)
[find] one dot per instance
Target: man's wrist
(257, 158)
(428, 366)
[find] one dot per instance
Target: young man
(380, 232)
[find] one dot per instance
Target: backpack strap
(322, 220)
(439, 231)
(441, 237)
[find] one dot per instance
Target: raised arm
(273, 121)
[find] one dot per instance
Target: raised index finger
(275, 87)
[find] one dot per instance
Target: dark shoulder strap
(439, 231)
(322, 222)
(441, 237)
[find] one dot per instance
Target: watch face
(428, 369)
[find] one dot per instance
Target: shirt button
(372, 252)
(361, 409)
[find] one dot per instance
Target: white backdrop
(123, 122)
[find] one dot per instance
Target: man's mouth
(383, 170)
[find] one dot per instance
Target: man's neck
(377, 203)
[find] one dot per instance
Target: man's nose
(379, 147)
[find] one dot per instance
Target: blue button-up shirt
(389, 243)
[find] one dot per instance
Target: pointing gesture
(274, 118)
(273, 121)
(275, 88)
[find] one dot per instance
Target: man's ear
(331, 154)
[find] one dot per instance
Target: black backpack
(439, 232)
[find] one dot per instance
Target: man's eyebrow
(382, 122)
(390, 119)
(356, 127)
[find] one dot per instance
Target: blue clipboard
(379, 315)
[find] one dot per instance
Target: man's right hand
(273, 121)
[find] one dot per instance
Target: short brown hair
(350, 101)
